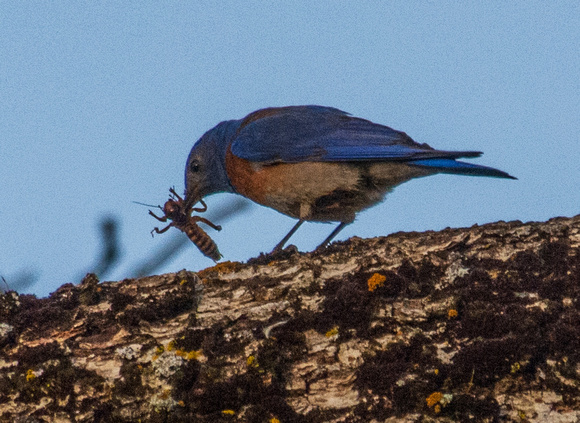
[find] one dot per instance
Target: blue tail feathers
(461, 168)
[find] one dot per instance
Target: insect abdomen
(202, 240)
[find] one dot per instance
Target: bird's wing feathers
(316, 133)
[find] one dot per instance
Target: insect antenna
(145, 204)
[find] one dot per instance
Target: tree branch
(479, 324)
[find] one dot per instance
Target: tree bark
(474, 324)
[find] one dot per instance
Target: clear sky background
(100, 103)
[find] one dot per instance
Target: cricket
(179, 214)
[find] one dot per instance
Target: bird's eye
(194, 166)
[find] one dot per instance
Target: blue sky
(101, 102)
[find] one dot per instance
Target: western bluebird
(313, 163)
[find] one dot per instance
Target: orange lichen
(189, 355)
(30, 375)
(194, 355)
(274, 420)
(223, 267)
(158, 351)
(251, 361)
(376, 281)
(228, 412)
(452, 313)
(434, 399)
(332, 332)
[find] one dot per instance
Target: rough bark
(475, 324)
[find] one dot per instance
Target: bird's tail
(461, 168)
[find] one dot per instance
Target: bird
(314, 163)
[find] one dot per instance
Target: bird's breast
(318, 191)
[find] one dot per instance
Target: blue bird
(314, 163)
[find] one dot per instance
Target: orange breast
(278, 186)
(244, 178)
(294, 188)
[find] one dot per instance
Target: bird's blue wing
(315, 133)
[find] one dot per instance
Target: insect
(178, 212)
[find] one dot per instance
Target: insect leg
(200, 209)
(207, 222)
(173, 192)
(161, 219)
(160, 231)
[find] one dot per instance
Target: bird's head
(205, 171)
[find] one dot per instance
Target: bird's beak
(192, 196)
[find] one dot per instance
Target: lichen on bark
(473, 324)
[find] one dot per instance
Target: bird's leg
(280, 245)
(334, 233)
